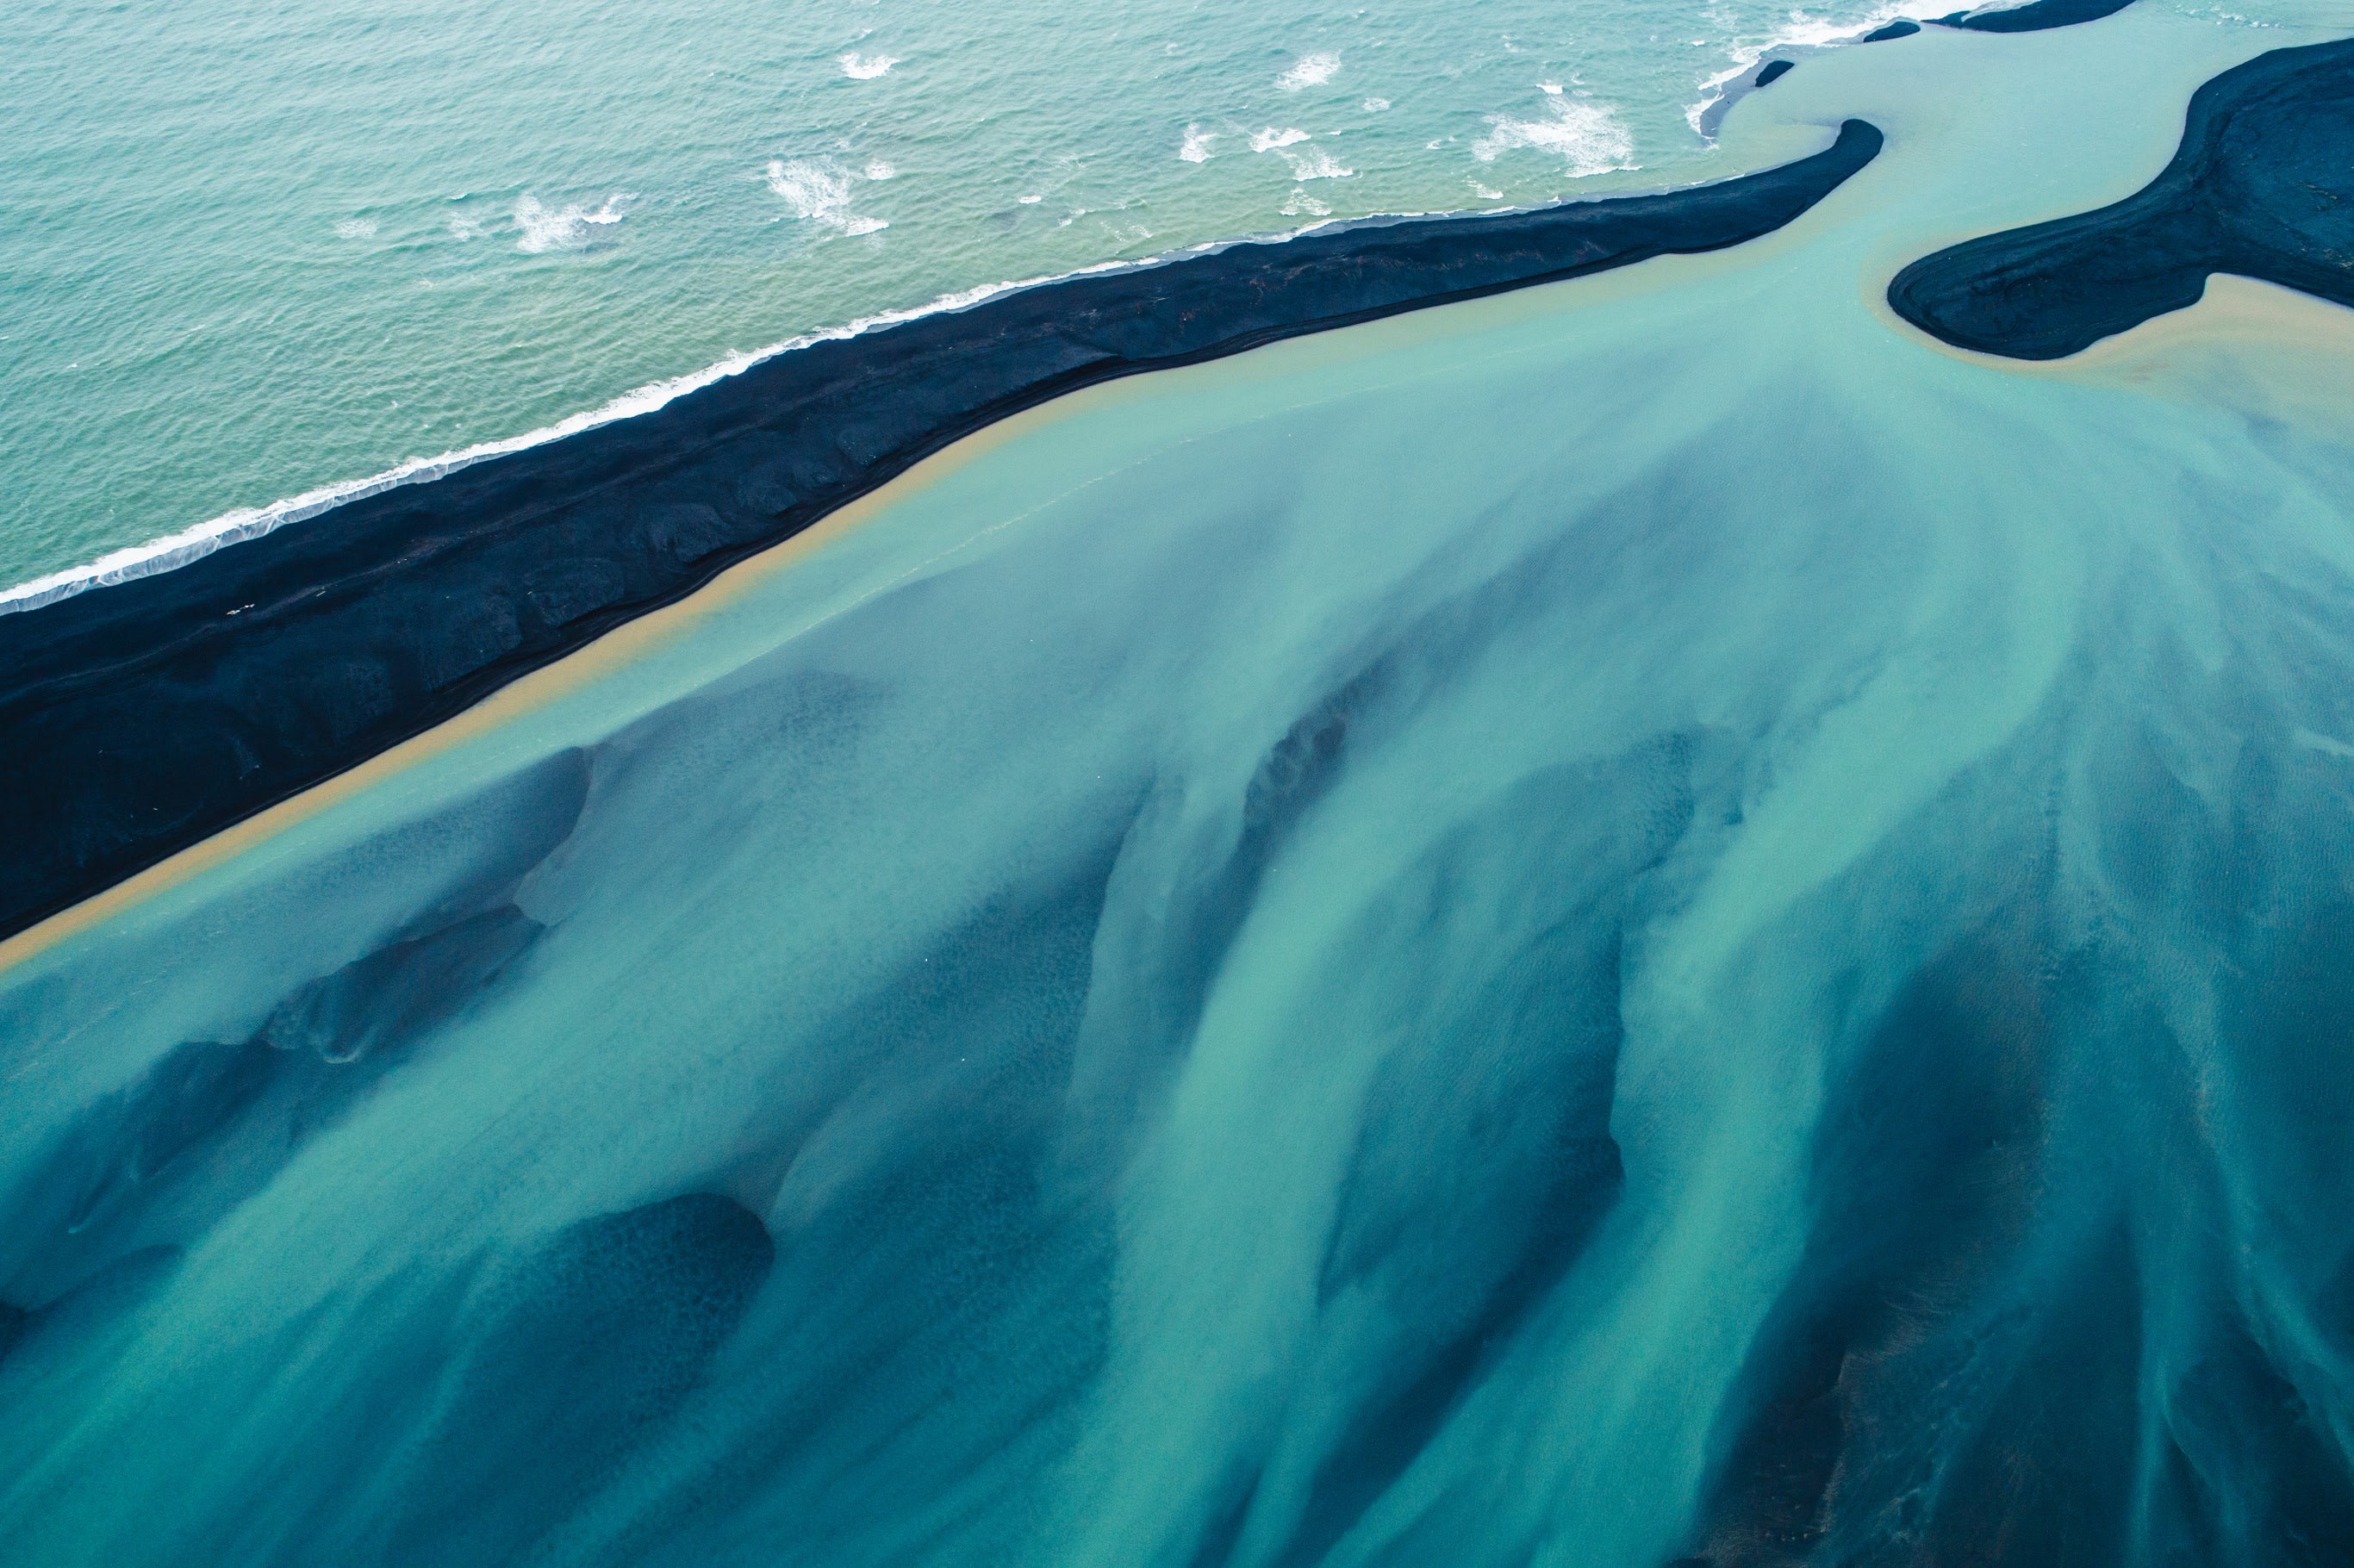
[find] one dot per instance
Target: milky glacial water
(258, 247)
(1645, 920)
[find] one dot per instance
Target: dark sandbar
(2262, 186)
(2033, 18)
(136, 720)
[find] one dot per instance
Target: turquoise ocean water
(256, 249)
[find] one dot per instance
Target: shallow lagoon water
(1651, 918)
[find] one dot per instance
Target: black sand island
(138, 719)
(2034, 18)
(2262, 187)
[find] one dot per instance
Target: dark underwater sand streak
(2261, 186)
(142, 718)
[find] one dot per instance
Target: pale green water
(252, 247)
(1704, 670)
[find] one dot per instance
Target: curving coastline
(138, 719)
(2037, 16)
(2034, 16)
(2260, 186)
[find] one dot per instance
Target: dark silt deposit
(2034, 18)
(2262, 187)
(1899, 29)
(1773, 71)
(139, 719)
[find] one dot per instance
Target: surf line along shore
(140, 718)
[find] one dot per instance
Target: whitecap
(1269, 140)
(1302, 205)
(1588, 136)
(877, 169)
(866, 67)
(1196, 147)
(1316, 163)
(820, 194)
(1552, 88)
(1308, 70)
(355, 228)
(546, 229)
(1483, 192)
(1376, 105)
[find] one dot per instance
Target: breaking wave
(1588, 136)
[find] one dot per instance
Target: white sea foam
(1802, 31)
(245, 523)
(1588, 136)
(1376, 105)
(1483, 192)
(569, 227)
(1269, 140)
(877, 169)
(866, 67)
(1550, 87)
(355, 228)
(1196, 147)
(1308, 70)
(175, 550)
(1316, 163)
(820, 194)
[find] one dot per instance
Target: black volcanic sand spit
(2030, 19)
(138, 719)
(2263, 186)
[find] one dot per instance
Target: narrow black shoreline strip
(138, 719)
(2262, 186)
